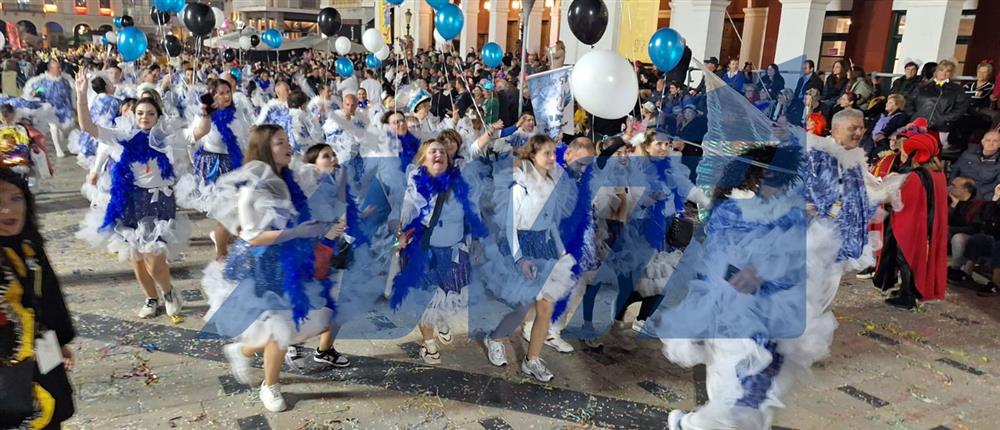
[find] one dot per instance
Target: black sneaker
(331, 357)
(901, 302)
(957, 276)
(867, 273)
(988, 290)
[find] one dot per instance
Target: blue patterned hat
(418, 97)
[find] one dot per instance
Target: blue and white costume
(263, 293)
(345, 137)
(104, 109)
(56, 91)
(305, 130)
(321, 108)
(139, 216)
(219, 152)
(31, 108)
(275, 112)
(437, 269)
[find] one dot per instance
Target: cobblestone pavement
(889, 369)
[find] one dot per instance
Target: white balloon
(342, 45)
(438, 37)
(220, 17)
(373, 40)
(246, 31)
(3, 41)
(245, 43)
(383, 53)
(112, 38)
(604, 84)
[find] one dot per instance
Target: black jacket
(904, 86)
(834, 88)
(508, 106)
(806, 84)
(942, 105)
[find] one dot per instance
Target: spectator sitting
(750, 92)
(675, 97)
(836, 83)
(893, 119)
(811, 105)
(860, 84)
(816, 124)
(907, 82)
(808, 81)
(985, 243)
(659, 93)
(734, 77)
(963, 210)
(772, 81)
(782, 107)
(980, 91)
(845, 101)
(939, 100)
(982, 165)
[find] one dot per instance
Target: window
(964, 36)
(965, 27)
(80, 7)
(50, 6)
(833, 46)
(104, 6)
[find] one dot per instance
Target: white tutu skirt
(146, 228)
(253, 316)
(553, 273)
(657, 273)
(194, 193)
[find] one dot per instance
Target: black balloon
(127, 21)
(254, 40)
(159, 18)
(588, 19)
(229, 55)
(173, 45)
(198, 18)
(329, 21)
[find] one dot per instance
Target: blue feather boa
(655, 230)
(414, 258)
(222, 119)
(297, 255)
(410, 144)
(573, 228)
(354, 227)
(135, 150)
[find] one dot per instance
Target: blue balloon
(372, 61)
(169, 6)
(117, 21)
(104, 39)
(448, 21)
(237, 73)
(394, 2)
(666, 48)
(271, 38)
(436, 4)
(132, 43)
(492, 55)
(345, 68)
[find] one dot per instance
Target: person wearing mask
(734, 77)
(836, 82)
(939, 100)
(982, 165)
(905, 84)
(807, 81)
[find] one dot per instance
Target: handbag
(680, 232)
(17, 400)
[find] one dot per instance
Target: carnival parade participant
(55, 88)
(104, 108)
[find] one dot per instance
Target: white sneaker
(623, 334)
(173, 303)
(637, 325)
(239, 364)
(556, 342)
(271, 396)
(674, 419)
(496, 352)
(536, 368)
(150, 308)
(445, 336)
(429, 352)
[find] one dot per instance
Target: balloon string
(469, 89)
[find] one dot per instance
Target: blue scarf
(222, 119)
(135, 150)
(655, 229)
(297, 255)
(410, 145)
(414, 255)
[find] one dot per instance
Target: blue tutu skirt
(211, 165)
(143, 206)
(553, 272)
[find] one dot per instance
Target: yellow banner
(638, 23)
(382, 20)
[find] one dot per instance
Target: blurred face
(658, 148)
(436, 159)
(13, 209)
(451, 146)
(771, 71)
(991, 143)
(362, 94)
(958, 188)
(674, 90)
(848, 132)
(528, 124)
(281, 91)
(146, 116)
(326, 162)
(734, 65)
(689, 114)
(583, 154)
(845, 101)
(942, 73)
(890, 105)
(54, 68)
(8, 118)
(350, 103)
(806, 68)
(223, 96)
(189, 75)
(397, 123)
(545, 158)
(281, 150)
(325, 92)
(115, 75)
(910, 71)
(837, 69)
(983, 74)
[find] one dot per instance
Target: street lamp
(408, 16)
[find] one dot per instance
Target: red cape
(927, 258)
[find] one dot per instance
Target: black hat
(712, 60)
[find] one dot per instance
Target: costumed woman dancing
(104, 109)
(221, 136)
(139, 221)
(438, 221)
(264, 295)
